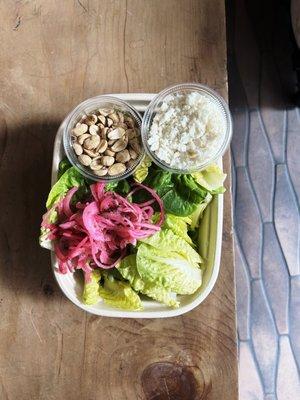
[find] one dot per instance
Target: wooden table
(54, 54)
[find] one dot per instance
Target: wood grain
(54, 55)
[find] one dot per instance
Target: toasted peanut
(101, 172)
(116, 133)
(82, 138)
(94, 129)
(104, 133)
(92, 142)
(122, 125)
(106, 111)
(116, 169)
(123, 156)
(91, 153)
(96, 164)
(77, 148)
(90, 119)
(129, 121)
(120, 116)
(80, 129)
(102, 146)
(101, 126)
(84, 160)
(133, 154)
(108, 152)
(135, 145)
(131, 133)
(114, 117)
(109, 122)
(119, 145)
(107, 161)
(102, 119)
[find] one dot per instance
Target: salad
(131, 239)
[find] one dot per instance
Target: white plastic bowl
(210, 244)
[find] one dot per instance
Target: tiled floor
(266, 187)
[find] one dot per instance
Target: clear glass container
(89, 106)
(154, 106)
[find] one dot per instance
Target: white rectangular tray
(210, 242)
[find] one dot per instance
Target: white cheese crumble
(187, 130)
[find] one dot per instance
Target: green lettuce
(90, 293)
(141, 172)
(64, 165)
(196, 216)
(186, 194)
(128, 270)
(166, 241)
(178, 225)
(211, 179)
(168, 261)
(121, 187)
(68, 180)
(180, 193)
(119, 294)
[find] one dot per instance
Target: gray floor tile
(272, 107)
(270, 397)
(247, 222)
(276, 278)
(287, 220)
(239, 143)
(250, 386)
(288, 383)
(240, 116)
(242, 295)
(295, 317)
(265, 146)
(261, 166)
(264, 336)
(293, 149)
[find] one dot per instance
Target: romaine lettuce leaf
(128, 270)
(168, 269)
(189, 188)
(198, 213)
(90, 293)
(178, 226)
(122, 187)
(166, 241)
(180, 194)
(160, 294)
(160, 180)
(64, 165)
(67, 181)
(168, 261)
(175, 204)
(141, 172)
(211, 178)
(119, 294)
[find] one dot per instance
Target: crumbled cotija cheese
(187, 130)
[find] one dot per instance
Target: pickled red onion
(96, 233)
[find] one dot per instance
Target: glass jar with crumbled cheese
(186, 127)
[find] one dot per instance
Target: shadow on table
(261, 47)
(26, 158)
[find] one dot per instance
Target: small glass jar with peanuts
(102, 138)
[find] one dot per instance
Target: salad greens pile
(161, 266)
